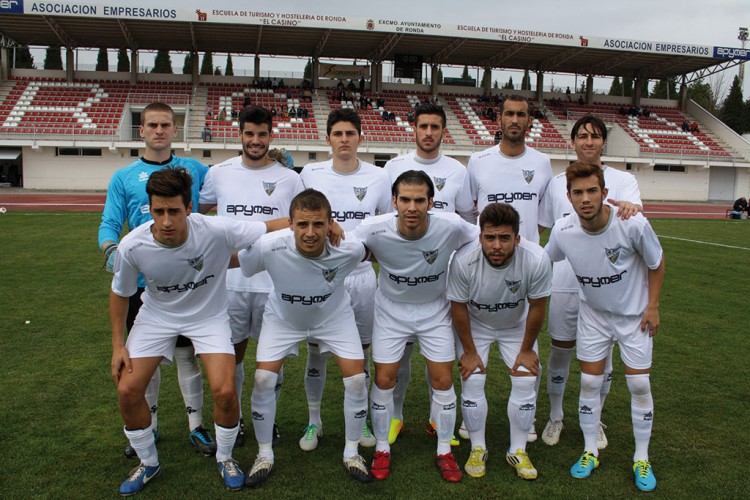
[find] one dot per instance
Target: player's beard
(435, 145)
(256, 156)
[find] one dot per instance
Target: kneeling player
(498, 290)
(184, 258)
(308, 303)
(619, 265)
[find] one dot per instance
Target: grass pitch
(63, 435)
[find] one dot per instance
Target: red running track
(95, 203)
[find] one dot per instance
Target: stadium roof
(186, 28)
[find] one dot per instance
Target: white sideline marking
(703, 242)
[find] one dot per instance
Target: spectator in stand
(581, 102)
(498, 136)
(247, 101)
(362, 85)
(392, 116)
(273, 112)
(352, 87)
(307, 95)
(282, 84)
(623, 111)
(306, 84)
(222, 115)
(685, 126)
(256, 83)
(340, 85)
(275, 84)
(292, 112)
(209, 111)
(269, 83)
(567, 94)
(385, 116)
(234, 114)
(646, 112)
(410, 118)
(694, 127)
(207, 134)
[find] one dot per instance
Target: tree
(616, 87)
(439, 77)
(24, 59)
(53, 58)
(666, 88)
(486, 77)
(102, 60)
(217, 71)
(700, 92)
(229, 68)
(162, 62)
(526, 81)
(732, 110)
(308, 70)
(627, 86)
(465, 75)
(509, 85)
(207, 66)
(582, 88)
(496, 85)
(746, 116)
(123, 62)
(644, 87)
(187, 65)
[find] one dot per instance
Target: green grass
(63, 435)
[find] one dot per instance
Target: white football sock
(402, 382)
(263, 405)
(642, 413)
(521, 410)
(142, 441)
(474, 408)
(355, 406)
(152, 397)
(191, 384)
(225, 438)
(315, 381)
(558, 370)
(589, 410)
(444, 411)
(381, 411)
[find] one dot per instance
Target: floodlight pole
(742, 37)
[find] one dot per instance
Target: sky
(704, 22)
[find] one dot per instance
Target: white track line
(703, 242)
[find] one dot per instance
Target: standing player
(619, 266)
(452, 196)
(184, 259)
(356, 190)
(512, 173)
(309, 302)
(127, 201)
(498, 288)
(413, 249)
(249, 187)
(588, 137)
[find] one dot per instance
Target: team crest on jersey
(143, 177)
(528, 175)
(439, 182)
(360, 193)
(613, 253)
(430, 256)
(196, 263)
(513, 286)
(270, 187)
(330, 274)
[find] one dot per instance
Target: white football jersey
(452, 192)
(187, 283)
(247, 193)
(306, 292)
(520, 181)
(497, 296)
(622, 186)
(414, 271)
(353, 196)
(611, 266)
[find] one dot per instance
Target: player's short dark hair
(257, 115)
(343, 115)
(595, 122)
(414, 178)
(311, 200)
(159, 107)
(500, 214)
(429, 108)
(581, 170)
(170, 182)
(515, 98)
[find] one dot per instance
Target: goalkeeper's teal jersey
(127, 198)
